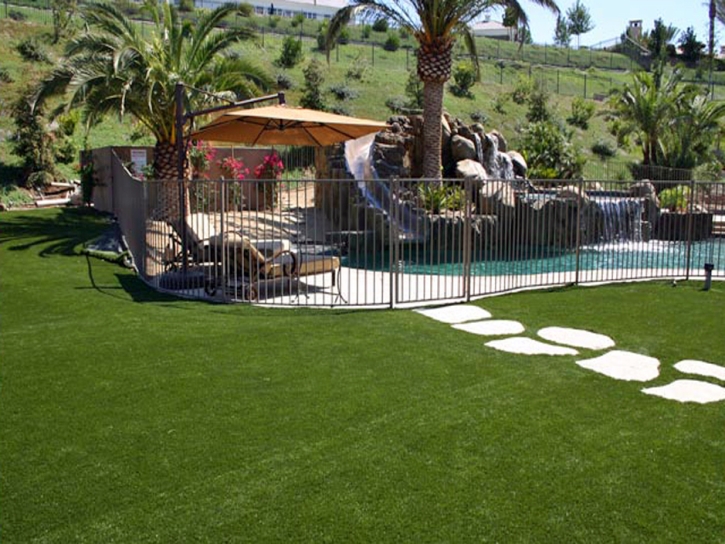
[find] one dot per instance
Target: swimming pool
(654, 255)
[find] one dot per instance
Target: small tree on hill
(314, 78)
(580, 20)
(562, 35)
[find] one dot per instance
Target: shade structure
(284, 125)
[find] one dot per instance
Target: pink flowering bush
(270, 168)
(201, 154)
(233, 169)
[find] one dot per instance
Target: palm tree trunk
(433, 108)
(169, 196)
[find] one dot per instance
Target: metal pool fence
(411, 242)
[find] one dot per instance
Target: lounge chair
(256, 261)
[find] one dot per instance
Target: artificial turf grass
(132, 416)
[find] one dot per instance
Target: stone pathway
(616, 364)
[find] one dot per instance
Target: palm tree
(114, 67)
(645, 108)
(435, 25)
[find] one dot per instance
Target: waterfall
(479, 147)
(621, 219)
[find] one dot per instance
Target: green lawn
(129, 416)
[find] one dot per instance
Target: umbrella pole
(180, 120)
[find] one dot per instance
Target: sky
(611, 17)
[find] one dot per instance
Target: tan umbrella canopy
(284, 125)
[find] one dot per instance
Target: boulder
(497, 198)
(650, 201)
(519, 163)
(462, 148)
(470, 169)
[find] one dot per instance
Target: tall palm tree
(118, 67)
(435, 25)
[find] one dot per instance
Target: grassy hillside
(384, 76)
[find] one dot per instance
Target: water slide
(376, 192)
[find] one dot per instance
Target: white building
(311, 9)
(493, 29)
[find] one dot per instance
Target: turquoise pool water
(628, 255)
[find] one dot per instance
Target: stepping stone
(688, 391)
(624, 365)
(576, 338)
(458, 313)
(529, 346)
(492, 327)
(701, 368)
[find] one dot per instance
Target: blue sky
(611, 17)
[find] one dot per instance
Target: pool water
(656, 254)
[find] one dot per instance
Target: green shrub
(16, 15)
(479, 117)
(392, 43)
(32, 51)
(12, 197)
(273, 21)
(297, 20)
(344, 36)
(381, 25)
(396, 104)
(522, 90)
(342, 92)
(365, 32)
(581, 112)
(604, 149)
(675, 199)
(359, 69)
(314, 78)
(539, 110)
(710, 171)
(435, 198)
(5, 76)
(549, 153)
(464, 78)
(340, 109)
(284, 82)
(291, 53)
(499, 103)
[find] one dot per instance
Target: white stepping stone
(688, 391)
(492, 327)
(576, 338)
(529, 346)
(624, 365)
(458, 313)
(701, 368)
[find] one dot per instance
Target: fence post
(578, 241)
(690, 210)
(467, 233)
(585, 85)
(545, 58)
(500, 77)
(262, 36)
(393, 243)
(407, 54)
(373, 48)
(558, 73)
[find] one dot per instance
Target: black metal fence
(387, 243)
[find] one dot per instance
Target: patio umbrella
(284, 125)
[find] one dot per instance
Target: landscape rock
(470, 169)
(519, 163)
(462, 148)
